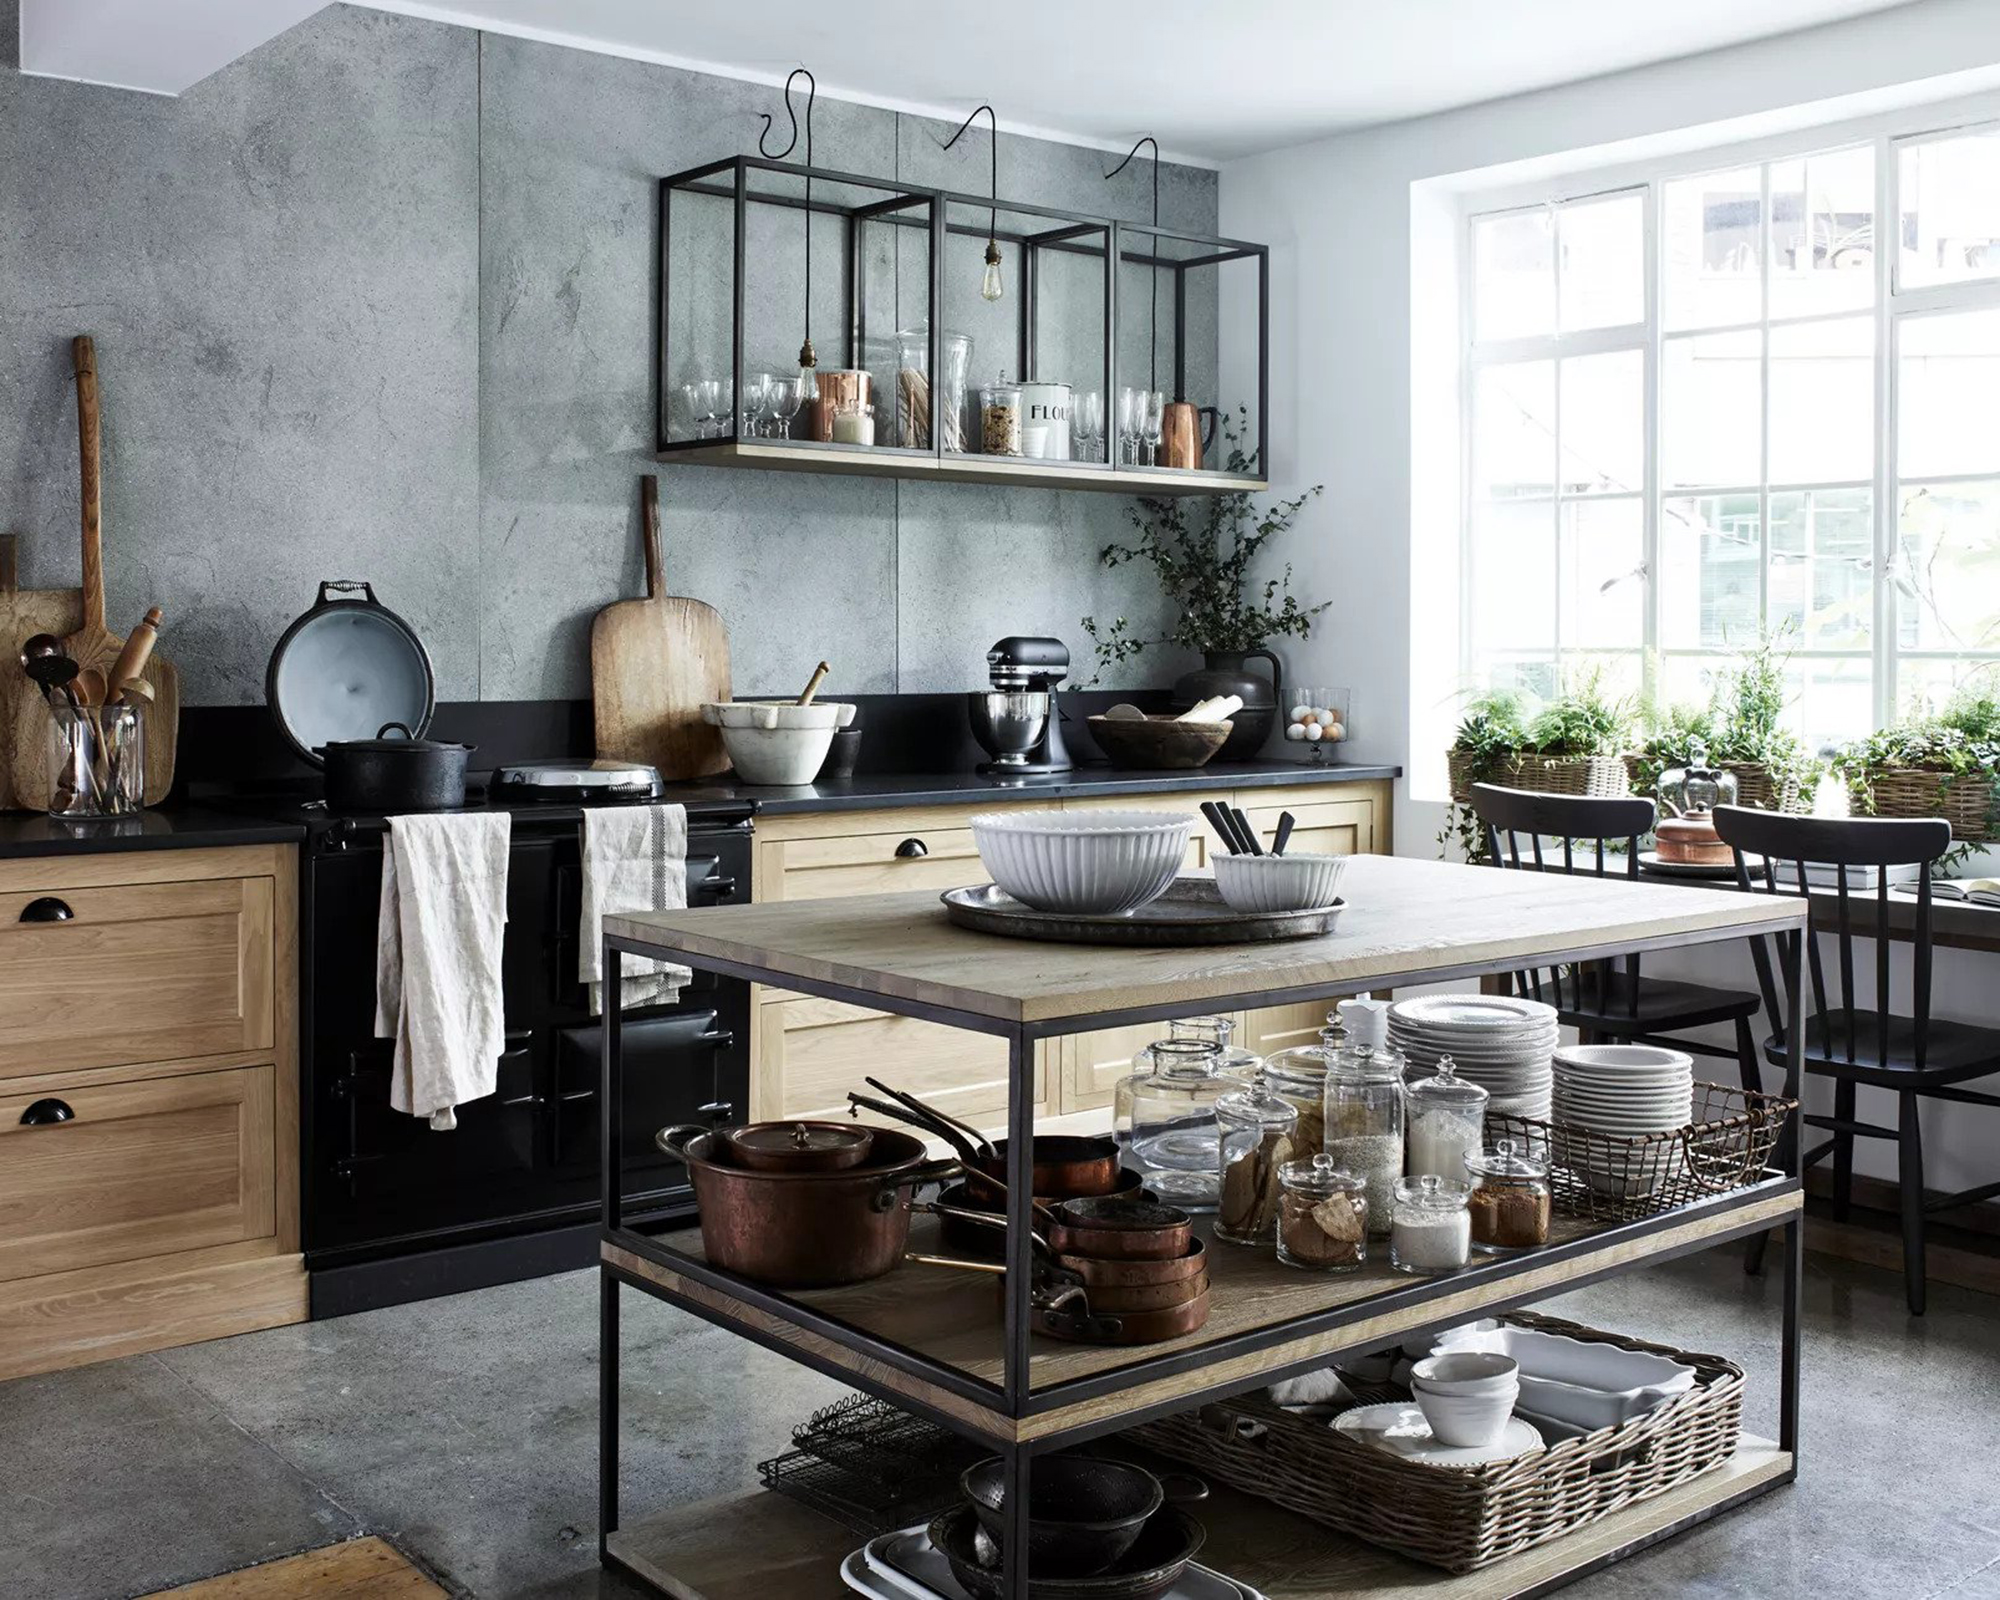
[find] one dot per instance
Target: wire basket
(1607, 1177)
(871, 1467)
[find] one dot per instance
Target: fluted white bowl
(1086, 863)
(1279, 883)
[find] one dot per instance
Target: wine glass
(1131, 419)
(782, 399)
(754, 387)
(1153, 410)
(1090, 425)
(688, 404)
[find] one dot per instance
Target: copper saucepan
(1065, 1164)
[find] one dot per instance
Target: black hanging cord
(992, 215)
(812, 93)
(1153, 325)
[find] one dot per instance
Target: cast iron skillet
(1148, 1570)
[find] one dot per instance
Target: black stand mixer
(1017, 721)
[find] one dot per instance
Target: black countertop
(168, 827)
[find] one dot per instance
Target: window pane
(1620, 674)
(1603, 552)
(1714, 249)
(1514, 576)
(1513, 276)
(1823, 402)
(1948, 402)
(1949, 194)
(1925, 686)
(1604, 423)
(1823, 233)
(1948, 572)
(1603, 278)
(1833, 700)
(1709, 555)
(1514, 429)
(1691, 680)
(1533, 676)
(1710, 393)
(1823, 567)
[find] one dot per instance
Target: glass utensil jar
(1511, 1200)
(913, 387)
(1431, 1231)
(1163, 1118)
(97, 761)
(1255, 1131)
(1322, 1216)
(1364, 1122)
(1447, 1122)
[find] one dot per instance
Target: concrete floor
(464, 1430)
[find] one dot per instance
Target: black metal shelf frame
(921, 207)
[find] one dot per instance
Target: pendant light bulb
(808, 366)
(990, 286)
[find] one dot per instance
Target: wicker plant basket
(1464, 770)
(1967, 803)
(1591, 775)
(1462, 1518)
(1755, 785)
(1620, 1178)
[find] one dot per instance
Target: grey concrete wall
(372, 302)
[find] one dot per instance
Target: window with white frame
(1726, 402)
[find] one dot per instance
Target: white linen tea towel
(437, 959)
(634, 859)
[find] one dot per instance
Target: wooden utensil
(653, 663)
(813, 683)
(137, 652)
(25, 613)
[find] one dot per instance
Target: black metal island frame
(927, 1340)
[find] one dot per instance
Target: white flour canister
(1045, 414)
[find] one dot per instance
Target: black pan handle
(328, 586)
(47, 1113)
(47, 909)
(716, 888)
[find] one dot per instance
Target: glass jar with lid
(1322, 1216)
(1363, 1117)
(1000, 418)
(1511, 1200)
(1256, 1131)
(1299, 1074)
(1163, 1117)
(1431, 1231)
(1447, 1122)
(1236, 1062)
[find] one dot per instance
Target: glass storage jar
(1364, 1122)
(1511, 1200)
(1447, 1122)
(913, 387)
(1236, 1062)
(1431, 1231)
(1255, 1136)
(1322, 1216)
(1299, 1074)
(1163, 1117)
(1000, 418)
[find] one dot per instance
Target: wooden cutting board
(653, 662)
(90, 642)
(23, 614)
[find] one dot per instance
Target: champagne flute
(1131, 418)
(1153, 414)
(1090, 425)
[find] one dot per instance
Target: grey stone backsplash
(372, 302)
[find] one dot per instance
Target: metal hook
(1153, 324)
(812, 94)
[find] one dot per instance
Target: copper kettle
(1182, 441)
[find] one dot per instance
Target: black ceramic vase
(1226, 673)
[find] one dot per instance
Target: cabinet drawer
(870, 863)
(816, 1050)
(139, 1170)
(1326, 827)
(137, 972)
(1181, 804)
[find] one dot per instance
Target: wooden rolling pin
(137, 652)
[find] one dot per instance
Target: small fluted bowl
(1279, 883)
(1085, 863)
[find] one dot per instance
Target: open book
(1975, 891)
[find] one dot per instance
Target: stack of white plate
(1626, 1091)
(1496, 1041)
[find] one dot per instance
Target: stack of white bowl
(1466, 1396)
(1496, 1041)
(1626, 1091)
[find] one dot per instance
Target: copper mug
(1182, 441)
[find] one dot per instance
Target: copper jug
(1182, 441)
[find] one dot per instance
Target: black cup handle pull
(47, 909)
(346, 586)
(47, 1113)
(912, 849)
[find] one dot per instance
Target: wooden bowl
(1158, 742)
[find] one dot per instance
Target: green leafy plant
(1490, 734)
(1961, 741)
(1742, 725)
(1584, 720)
(1204, 550)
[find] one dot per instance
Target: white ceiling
(1211, 79)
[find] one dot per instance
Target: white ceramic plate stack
(1496, 1041)
(1626, 1091)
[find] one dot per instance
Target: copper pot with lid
(800, 1146)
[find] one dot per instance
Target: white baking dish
(1590, 1384)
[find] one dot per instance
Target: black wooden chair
(1607, 1003)
(1915, 1057)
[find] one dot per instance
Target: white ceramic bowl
(1279, 883)
(1466, 1420)
(1467, 1372)
(1085, 863)
(777, 742)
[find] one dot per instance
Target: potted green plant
(1742, 729)
(1204, 550)
(1576, 743)
(1947, 765)
(1485, 748)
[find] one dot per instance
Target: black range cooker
(395, 1211)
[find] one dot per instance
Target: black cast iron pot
(394, 775)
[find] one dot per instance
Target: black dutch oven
(395, 775)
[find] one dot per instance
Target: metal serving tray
(1192, 911)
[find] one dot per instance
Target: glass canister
(1447, 1122)
(1322, 1216)
(1000, 418)
(1255, 1129)
(1163, 1117)
(1364, 1122)
(1511, 1200)
(1431, 1231)
(913, 387)
(1045, 419)
(97, 761)
(1299, 1074)
(1236, 1062)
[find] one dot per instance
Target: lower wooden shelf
(756, 1544)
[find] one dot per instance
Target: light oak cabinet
(808, 1052)
(148, 1101)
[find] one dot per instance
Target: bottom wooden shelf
(756, 1544)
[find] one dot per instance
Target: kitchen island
(928, 1343)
